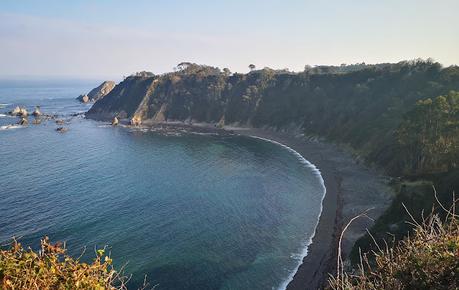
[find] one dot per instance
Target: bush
(51, 268)
(427, 260)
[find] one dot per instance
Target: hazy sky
(115, 38)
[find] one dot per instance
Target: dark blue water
(190, 212)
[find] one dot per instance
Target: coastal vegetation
(429, 135)
(52, 268)
(363, 106)
(401, 118)
(428, 259)
(428, 151)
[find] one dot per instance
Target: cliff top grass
(52, 268)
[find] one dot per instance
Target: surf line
(304, 252)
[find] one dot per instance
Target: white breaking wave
(300, 256)
(8, 127)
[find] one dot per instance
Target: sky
(109, 39)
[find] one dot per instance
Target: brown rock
(135, 121)
(85, 99)
(23, 121)
(37, 112)
(62, 129)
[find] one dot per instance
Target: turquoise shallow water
(190, 212)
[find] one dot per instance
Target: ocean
(189, 211)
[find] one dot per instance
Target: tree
(183, 65)
(251, 67)
(429, 134)
(226, 71)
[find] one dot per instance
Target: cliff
(97, 93)
(361, 106)
(401, 117)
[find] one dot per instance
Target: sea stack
(19, 111)
(23, 121)
(15, 111)
(37, 112)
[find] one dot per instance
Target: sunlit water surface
(190, 212)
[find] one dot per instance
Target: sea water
(189, 211)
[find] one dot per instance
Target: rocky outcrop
(37, 112)
(23, 121)
(19, 111)
(83, 98)
(362, 108)
(160, 116)
(128, 98)
(221, 123)
(97, 93)
(61, 129)
(115, 121)
(136, 121)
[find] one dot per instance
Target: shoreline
(305, 250)
(346, 195)
(314, 265)
(350, 187)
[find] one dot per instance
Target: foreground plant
(429, 259)
(52, 268)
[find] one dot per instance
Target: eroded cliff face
(362, 108)
(97, 93)
(101, 91)
(182, 96)
(124, 100)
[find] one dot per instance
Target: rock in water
(23, 112)
(221, 123)
(15, 111)
(62, 129)
(135, 121)
(37, 112)
(19, 111)
(23, 121)
(115, 121)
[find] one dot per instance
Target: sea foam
(304, 252)
(9, 127)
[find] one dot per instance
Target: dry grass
(428, 259)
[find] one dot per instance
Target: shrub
(429, 259)
(52, 268)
